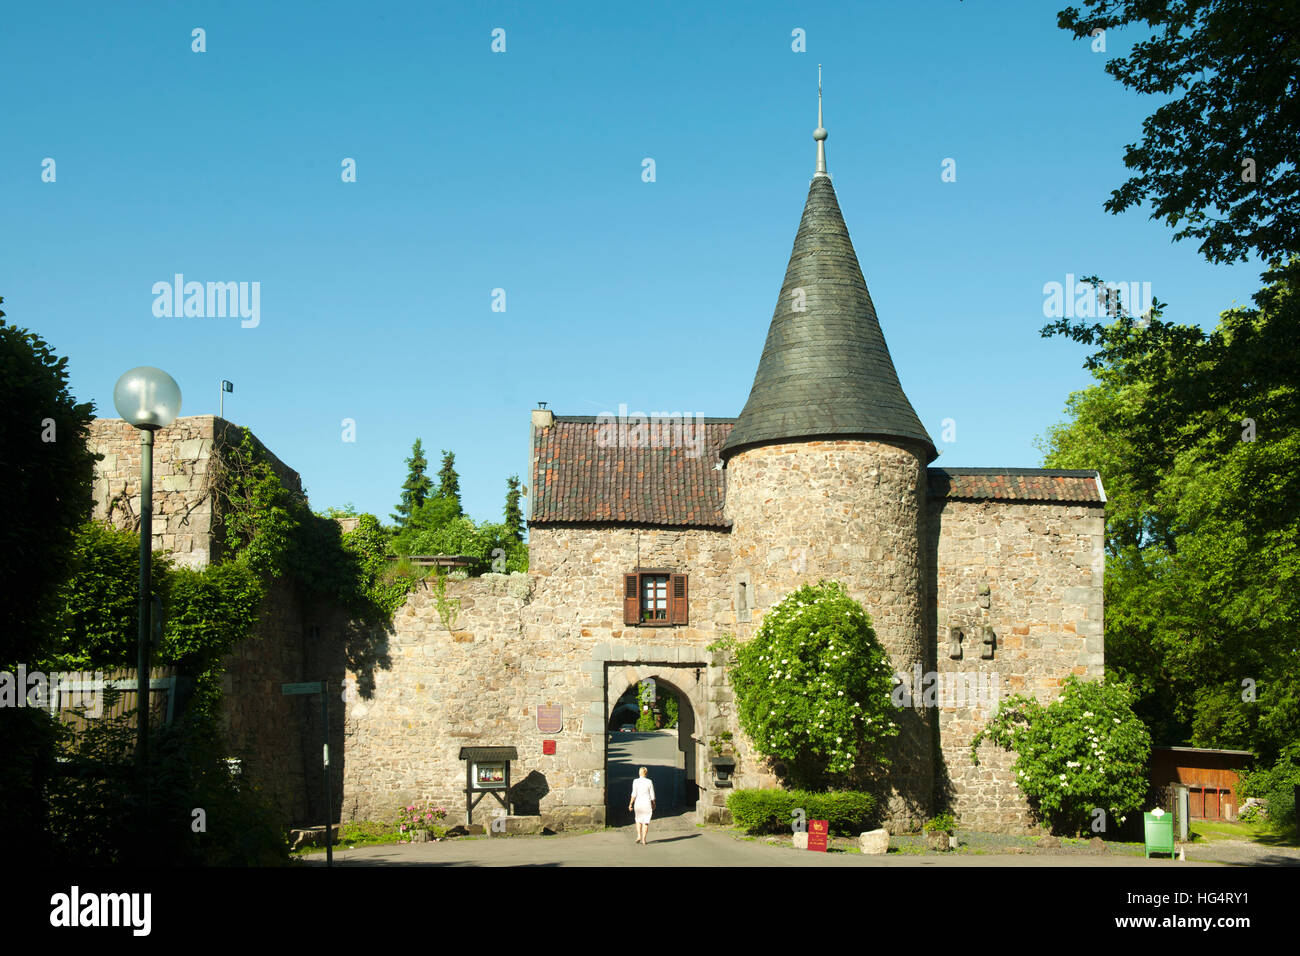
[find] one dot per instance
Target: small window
(654, 598)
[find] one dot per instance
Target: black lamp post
(149, 399)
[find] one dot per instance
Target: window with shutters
(654, 597)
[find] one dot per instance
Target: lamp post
(149, 399)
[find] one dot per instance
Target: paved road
(678, 843)
(656, 750)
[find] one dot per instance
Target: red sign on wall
(548, 746)
(818, 831)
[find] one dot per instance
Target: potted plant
(938, 832)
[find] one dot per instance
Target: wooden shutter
(677, 602)
(631, 602)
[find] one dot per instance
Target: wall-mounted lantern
(723, 769)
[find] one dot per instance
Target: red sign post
(818, 831)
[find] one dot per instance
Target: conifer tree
(417, 486)
(514, 515)
(448, 480)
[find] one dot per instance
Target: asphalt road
(678, 843)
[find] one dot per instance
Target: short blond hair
(644, 771)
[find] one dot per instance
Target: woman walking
(643, 802)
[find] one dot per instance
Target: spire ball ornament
(819, 134)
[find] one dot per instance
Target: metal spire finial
(819, 133)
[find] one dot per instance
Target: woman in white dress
(643, 802)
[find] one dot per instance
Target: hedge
(849, 812)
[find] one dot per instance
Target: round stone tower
(826, 468)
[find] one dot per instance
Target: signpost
(321, 687)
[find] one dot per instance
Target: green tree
(1084, 751)
(1219, 158)
(813, 687)
(1196, 436)
(433, 516)
(99, 602)
(449, 481)
(46, 472)
(417, 486)
(514, 516)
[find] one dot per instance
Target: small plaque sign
(550, 718)
(310, 687)
(818, 831)
(548, 747)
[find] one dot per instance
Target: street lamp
(149, 399)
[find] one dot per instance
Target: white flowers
(1070, 763)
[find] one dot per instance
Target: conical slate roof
(825, 369)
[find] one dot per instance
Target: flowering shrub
(812, 687)
(1084, 751)
(414, 818)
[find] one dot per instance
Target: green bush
(1083, 751)
(95, 815)
(1276, 784)
(813, 688)
(847, 812)
(943, 823)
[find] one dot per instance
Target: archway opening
(651, 725)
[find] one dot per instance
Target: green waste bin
(1159, 833)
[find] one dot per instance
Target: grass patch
(362, 833)
(1255, 832)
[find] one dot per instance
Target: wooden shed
(1209, 775)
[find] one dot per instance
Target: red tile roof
(580, 476)
(1015, 484)
(575, 479)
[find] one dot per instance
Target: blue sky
(522, 171)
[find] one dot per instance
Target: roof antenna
(819, 133)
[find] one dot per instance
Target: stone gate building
(649, 540)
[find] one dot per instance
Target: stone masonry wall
(184, 518)
(850, 511)
(266, 729)
(548, 637)
(182, 503)
(1033, 571)
(263, 727)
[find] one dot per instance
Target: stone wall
(553, 636)
(263, 728)
(184, 510)
(1033, 572)
(850, 511)
(271, 733)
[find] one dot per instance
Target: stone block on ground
(874, 842)
(801, 841)
(516, 825)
